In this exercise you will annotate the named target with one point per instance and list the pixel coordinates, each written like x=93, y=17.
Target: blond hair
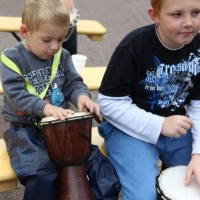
x=36, y=12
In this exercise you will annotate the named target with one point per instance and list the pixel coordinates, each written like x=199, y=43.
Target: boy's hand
x=193, y=169
x=57, y=112
x=85, y=102
x=70, y=5
x=176, y=125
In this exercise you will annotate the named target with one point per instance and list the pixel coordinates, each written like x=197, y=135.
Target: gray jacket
x=66, y=86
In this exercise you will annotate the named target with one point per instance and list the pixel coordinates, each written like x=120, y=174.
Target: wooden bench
x=92, y=77
x=93, y=29
x=8, y=178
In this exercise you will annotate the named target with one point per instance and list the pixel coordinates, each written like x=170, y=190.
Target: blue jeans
x=30, y=160
x=135, y=161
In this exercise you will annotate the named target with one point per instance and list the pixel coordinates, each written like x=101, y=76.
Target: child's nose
x=55, y=45
x=187, y=21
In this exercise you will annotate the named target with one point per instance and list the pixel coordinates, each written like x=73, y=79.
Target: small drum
x=74, y=17
x=171, y=185
x=69, y=146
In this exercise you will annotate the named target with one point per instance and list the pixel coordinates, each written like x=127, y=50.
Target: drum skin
x=171, y=185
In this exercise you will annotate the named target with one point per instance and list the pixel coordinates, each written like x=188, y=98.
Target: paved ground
x=119, y=17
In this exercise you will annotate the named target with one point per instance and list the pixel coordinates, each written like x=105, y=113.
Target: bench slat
x=8, y=178
x=93, y=29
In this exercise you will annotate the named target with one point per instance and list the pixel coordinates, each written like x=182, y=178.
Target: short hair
x=157, y=5
x=36, y=12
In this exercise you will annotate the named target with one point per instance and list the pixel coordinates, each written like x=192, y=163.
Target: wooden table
x=92, y=77
x=93, y=29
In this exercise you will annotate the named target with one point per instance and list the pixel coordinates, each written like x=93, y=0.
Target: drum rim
x=77, y=115
x=160, y=191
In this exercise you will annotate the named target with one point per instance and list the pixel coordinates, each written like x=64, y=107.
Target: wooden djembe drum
x=69, y=146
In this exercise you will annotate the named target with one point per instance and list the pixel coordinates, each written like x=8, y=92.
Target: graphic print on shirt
x=57, y=96
x=169, y=84
x=40, y=79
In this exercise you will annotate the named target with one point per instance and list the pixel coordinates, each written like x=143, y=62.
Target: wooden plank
x=92, y=77
x=93, y=29
x=8, y=178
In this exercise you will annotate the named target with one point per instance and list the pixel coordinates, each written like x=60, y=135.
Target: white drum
x=171, y=185
x=74, y=17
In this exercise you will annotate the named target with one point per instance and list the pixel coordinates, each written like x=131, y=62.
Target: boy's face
x=46, y=41
x=178, y=22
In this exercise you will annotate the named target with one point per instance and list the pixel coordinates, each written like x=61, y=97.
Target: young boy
x=37, y=83
x=151, y=77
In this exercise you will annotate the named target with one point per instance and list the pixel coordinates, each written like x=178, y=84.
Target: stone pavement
x=119, y=17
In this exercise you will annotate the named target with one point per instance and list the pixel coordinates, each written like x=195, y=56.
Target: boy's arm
x=16, y=93
x=74, y=85
x=132, y=120
x=193, y=111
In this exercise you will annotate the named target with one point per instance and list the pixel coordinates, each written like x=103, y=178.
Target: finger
x=186, y=126
x=89, y=106
x=182, y=131
x=175, y=135
x=69, y=111
x=188, y=176
x=188, y=121
x=80, y=107
x=61, y=116
x=91, y=109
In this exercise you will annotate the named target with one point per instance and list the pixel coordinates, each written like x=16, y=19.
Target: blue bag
x=103, y=179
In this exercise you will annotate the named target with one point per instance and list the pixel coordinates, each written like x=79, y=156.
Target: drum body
x=74, y=17
x=171, y=185
x=69, y=146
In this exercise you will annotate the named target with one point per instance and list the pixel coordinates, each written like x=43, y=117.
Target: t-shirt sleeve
x=118, y=78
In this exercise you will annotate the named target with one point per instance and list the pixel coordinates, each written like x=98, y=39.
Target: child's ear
x=24, y=31
x=153, y=15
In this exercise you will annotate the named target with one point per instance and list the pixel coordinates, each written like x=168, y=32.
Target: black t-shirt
x=158, y=80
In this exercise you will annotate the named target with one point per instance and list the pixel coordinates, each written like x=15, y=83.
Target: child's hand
x=85, y=102
x=193, y=169
x=176, y=125
x=70, y=5
x=57, y=112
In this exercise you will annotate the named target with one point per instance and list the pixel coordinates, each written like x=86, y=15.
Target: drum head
x=78, y=115
x=171, y=185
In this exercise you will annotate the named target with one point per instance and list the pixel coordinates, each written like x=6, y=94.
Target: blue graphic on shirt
x=40, y=78
x=169, y=84
x=57, y=96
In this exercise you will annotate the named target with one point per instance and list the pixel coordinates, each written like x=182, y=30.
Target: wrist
x=196, y=155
